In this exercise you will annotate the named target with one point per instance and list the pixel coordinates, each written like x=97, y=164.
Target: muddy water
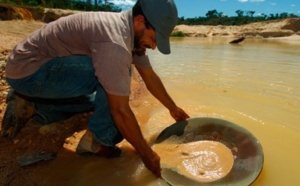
x=255, y=84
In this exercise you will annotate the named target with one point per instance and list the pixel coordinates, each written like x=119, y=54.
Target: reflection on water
x=255, y=84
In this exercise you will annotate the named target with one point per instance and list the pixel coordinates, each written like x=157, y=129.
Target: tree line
x=212, y=17
x=86, y=5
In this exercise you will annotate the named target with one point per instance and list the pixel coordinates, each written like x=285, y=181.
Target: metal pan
x=246, y=149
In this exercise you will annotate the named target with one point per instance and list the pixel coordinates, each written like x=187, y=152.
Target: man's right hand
x=129, y=127
x=152, y=162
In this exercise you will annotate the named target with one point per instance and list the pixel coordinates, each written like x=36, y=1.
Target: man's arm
x=128, y=126
x=157, y=89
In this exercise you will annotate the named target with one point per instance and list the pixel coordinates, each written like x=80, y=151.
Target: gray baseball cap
x=162, y=15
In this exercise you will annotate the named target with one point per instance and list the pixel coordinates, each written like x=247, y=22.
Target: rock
x=237, y=40
x=33, y=158
x=46, y=129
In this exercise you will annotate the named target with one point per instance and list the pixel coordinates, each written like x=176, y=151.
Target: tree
x=239, y=13
x=264, y=16
x=221, y=14
x=292, y=15
x=212, y=13
x=283, y=15
x=250, y=13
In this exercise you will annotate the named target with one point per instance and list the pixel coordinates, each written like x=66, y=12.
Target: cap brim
x=163, y=43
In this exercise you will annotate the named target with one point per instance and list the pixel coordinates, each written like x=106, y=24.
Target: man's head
x=159, y=17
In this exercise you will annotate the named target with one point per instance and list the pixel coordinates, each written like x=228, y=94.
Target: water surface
x=255, y=84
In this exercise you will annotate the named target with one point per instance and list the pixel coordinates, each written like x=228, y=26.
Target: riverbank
x=268, y=29
x=33, y=139
x=53, y=138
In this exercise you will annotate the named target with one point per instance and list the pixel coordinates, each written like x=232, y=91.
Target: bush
x=178, y=34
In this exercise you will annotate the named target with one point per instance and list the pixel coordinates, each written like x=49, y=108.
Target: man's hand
x=128, y=126
x=152, y=162
x=179, y=115
x=157, y=89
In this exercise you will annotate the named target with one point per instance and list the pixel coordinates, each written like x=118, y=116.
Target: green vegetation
x=177, y=34
x=88, y=5
x=213, y=17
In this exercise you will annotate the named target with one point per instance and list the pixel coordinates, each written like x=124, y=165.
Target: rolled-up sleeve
x=141, y=61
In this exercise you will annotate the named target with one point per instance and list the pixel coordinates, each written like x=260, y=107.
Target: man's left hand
x=179, y=114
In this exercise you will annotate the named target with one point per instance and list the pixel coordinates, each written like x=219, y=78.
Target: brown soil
x=267, y=29
x=34, y=138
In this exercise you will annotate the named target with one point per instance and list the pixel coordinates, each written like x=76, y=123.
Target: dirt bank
x=267, y=29
x=34, y=139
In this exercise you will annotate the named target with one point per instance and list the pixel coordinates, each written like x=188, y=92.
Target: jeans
x=65, y=86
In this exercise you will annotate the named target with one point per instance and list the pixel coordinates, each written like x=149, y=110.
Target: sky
x=199, y=8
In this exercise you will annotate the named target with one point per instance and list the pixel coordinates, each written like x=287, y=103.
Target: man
x=82, y=62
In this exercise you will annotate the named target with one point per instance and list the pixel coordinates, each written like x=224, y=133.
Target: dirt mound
x=266, y=29
x=8, y=12
x=53, y=14
x=23, y=13
x=292, y=24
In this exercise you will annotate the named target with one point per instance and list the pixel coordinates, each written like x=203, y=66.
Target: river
x=254, y=84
